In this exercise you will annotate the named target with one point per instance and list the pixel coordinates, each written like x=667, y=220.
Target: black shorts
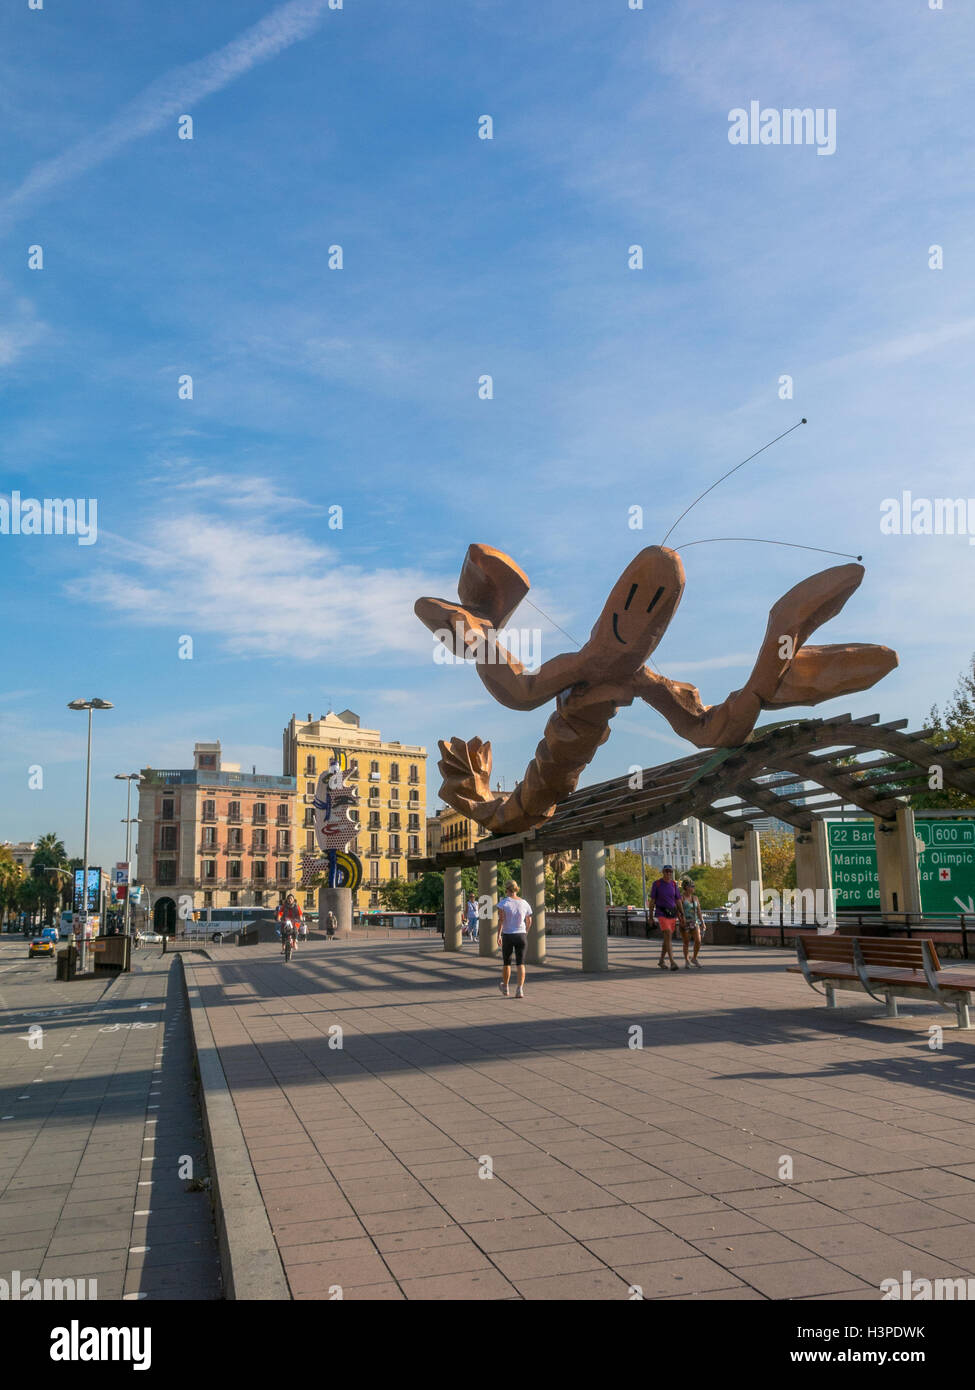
x=513, y=941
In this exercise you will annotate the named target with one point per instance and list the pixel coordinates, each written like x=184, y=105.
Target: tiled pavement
x=93, y=1125
x=662, y=1166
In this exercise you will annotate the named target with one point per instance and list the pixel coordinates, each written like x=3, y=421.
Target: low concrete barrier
x=249, y=1258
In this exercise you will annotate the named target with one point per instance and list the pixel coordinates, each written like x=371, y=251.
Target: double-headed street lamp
x=128, y=778
x=89, y=705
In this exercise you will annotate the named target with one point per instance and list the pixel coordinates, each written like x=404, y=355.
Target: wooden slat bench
x=886, y=968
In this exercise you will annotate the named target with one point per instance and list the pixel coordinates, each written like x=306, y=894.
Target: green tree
x=624, y=878
x=49, y=866
x=778, y=849
x=955, y=723
x=712, y=882
x=11, y=877
x=396, y=895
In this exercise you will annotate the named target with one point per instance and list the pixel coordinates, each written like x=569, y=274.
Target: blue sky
x=358, y=387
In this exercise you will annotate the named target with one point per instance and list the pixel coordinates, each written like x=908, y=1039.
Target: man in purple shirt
x=665, y=896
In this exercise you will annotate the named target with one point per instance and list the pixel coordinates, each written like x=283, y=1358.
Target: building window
x=309, y=900
x=208, y=899
x=310, y=765
x=233, y=898
x=258, y=899
x=394, y=820
x=394, y=772
x=235, y=839
x=394, y=869
x=260, y=871
x=309, y=789
x=233, y=810
x=284, y=869
x=209, y=811
x=374, y=823
x=260, y=811
x=374, y=872
x=233, y=869
x=284, y=839
x=209, y=868
x=166, y=871
x=414, y=845
x=283, y=813
x=167, y=808
x=414, y=822
x=353, y=771
x=414, y=773
x=309, y=815
x=260, y=839
x=167, y=837
x=394, y=844
x=373, y=844
x=210, y=837
x=310, y=840
x=373, y=772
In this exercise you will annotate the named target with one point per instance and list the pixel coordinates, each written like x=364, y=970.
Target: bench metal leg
x=891, y=1010
x=830, y=997
x=964, y=1020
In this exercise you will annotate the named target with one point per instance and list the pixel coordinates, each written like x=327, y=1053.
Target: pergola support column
x=487, y=902
x=592, y=899
x=453, y=909
x=746, y=868
x=533, y=891
x=814, y=873
x=897, y=867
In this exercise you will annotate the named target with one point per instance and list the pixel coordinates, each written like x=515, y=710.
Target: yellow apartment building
x=390, y=778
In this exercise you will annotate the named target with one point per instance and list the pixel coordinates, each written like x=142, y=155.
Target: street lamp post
x=128, y=778
x=89, y=705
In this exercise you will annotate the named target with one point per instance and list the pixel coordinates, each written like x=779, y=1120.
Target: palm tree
x=11, y=876
x=50, y=867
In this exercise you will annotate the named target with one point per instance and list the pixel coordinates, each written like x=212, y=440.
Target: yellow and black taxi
x=44, y=944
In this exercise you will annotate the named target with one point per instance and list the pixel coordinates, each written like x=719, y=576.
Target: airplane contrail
x=169, y=96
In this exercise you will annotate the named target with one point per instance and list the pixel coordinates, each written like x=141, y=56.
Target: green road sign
x=946, y=865
x=853, y=860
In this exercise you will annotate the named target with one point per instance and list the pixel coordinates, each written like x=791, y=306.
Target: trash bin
x=63, y=964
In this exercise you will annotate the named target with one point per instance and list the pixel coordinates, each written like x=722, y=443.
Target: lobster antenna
x=758, y=540
x=733, y=470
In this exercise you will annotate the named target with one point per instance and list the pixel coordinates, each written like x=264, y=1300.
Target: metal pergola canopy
x=845, y=765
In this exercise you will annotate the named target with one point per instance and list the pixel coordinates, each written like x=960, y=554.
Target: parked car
x=44, y=944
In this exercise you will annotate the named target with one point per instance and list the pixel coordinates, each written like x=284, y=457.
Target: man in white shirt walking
x=514, y=922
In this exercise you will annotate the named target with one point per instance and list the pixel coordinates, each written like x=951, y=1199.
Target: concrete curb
x=249, y=1258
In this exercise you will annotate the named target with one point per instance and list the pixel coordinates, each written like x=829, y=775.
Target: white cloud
x=262, y=592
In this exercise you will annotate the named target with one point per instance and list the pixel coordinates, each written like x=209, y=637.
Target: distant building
x=214, y=836
x=390, y=778
x=451, y=830
x=793, y=790
x=22, y=853
x=682, y=845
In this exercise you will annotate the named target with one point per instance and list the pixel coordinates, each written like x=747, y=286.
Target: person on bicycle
x=289, y=915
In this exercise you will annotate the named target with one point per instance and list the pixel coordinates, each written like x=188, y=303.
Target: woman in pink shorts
x=666, y=899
